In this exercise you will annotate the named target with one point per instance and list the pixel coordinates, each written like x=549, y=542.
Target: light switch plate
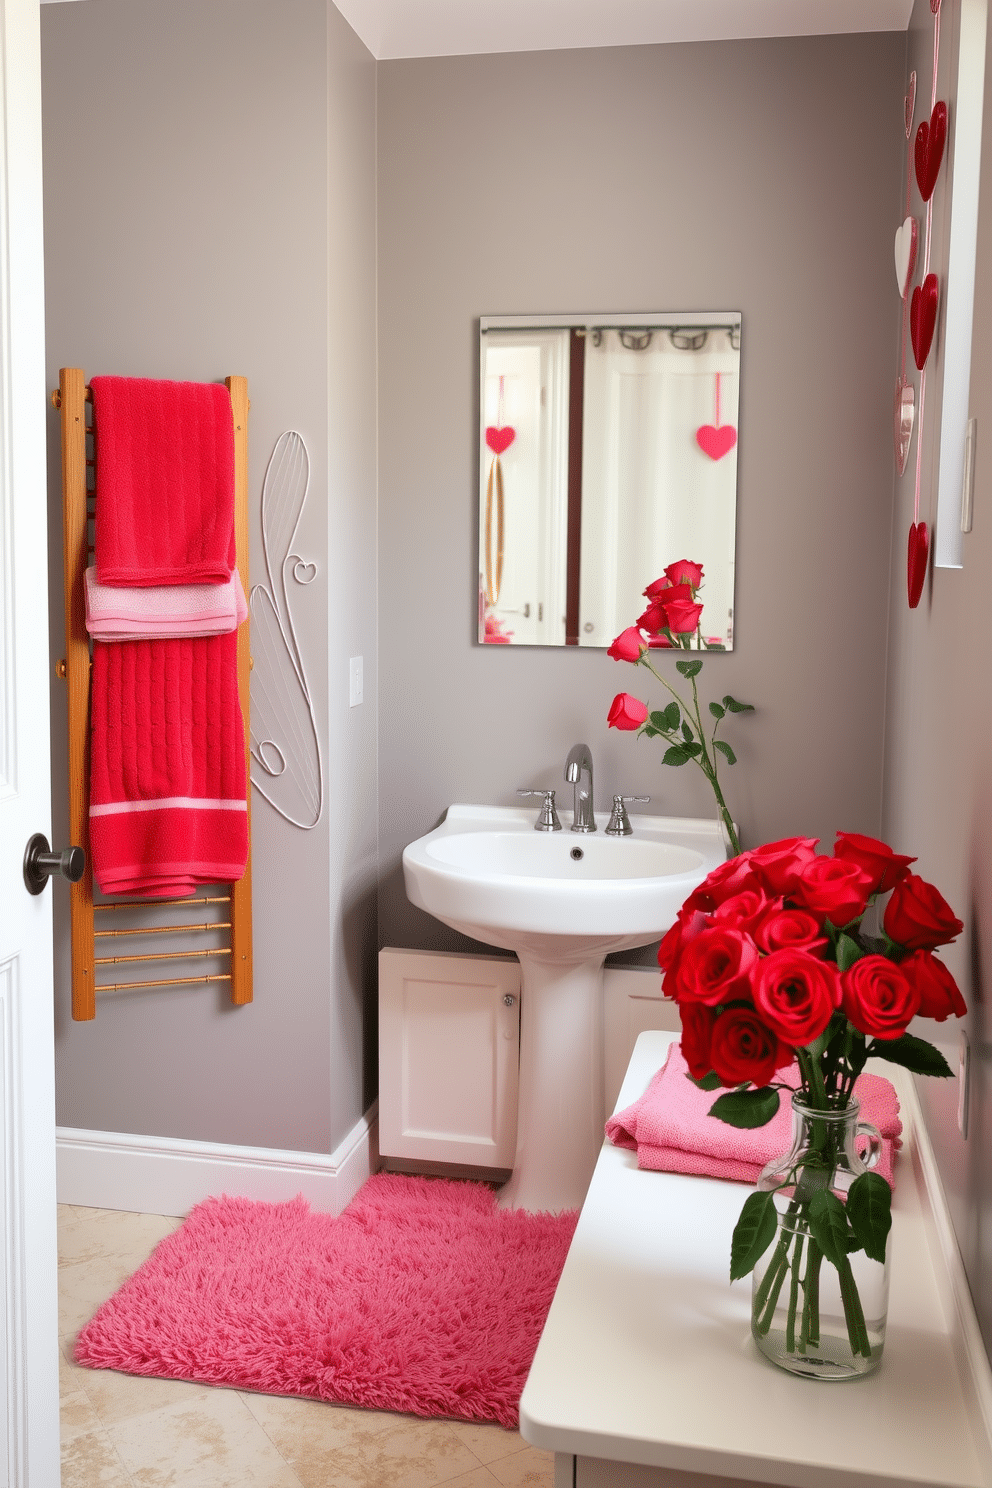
x=356, y=681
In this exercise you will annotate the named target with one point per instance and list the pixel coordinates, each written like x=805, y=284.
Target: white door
x=29, y=1455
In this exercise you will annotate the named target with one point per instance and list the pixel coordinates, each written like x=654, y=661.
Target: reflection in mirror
x=608, y=450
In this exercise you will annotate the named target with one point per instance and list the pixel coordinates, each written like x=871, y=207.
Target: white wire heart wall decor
x=286, y=764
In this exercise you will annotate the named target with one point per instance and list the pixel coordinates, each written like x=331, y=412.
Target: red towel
x=168, y=807
x=671, y=1131
x=164, y=481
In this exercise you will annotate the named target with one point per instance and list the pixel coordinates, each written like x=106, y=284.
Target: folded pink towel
x=164, y=612
x=671, y=1130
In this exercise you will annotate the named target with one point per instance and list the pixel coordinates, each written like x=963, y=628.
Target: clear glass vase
x=808, y=1315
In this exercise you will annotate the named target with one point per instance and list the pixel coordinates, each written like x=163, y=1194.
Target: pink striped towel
x=164, y=612
x=671, y=1130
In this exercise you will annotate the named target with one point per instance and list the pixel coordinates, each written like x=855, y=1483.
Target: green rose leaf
x=828, y=1222
x=913, y=1054
x=736, y=707
x=869, y=1209
x=676, y=756
x=848, y=951
x=746, y=1108
x=672, y=716
x=717, y=711
x=725, y=749
x=753, y=1233
x=649, y=732
x=711, y=1081
x=689, y=668
x=687, y=733
x=693, y=749
x=659, y=722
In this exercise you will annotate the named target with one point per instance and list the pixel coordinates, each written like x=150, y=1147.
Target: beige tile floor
x=121, y=1431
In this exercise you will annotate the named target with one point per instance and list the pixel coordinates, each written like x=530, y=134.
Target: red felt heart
x=499, y=440
x=923, y=318
x=930, y=140
x=916, y=561
x=716, y=442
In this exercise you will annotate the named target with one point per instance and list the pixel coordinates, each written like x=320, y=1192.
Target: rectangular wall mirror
x=607, y=450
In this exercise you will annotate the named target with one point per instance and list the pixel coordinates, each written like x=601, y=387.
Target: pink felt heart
x=716, y=442
x=909, y=104
x=905, y=415
x=907, y=239
x=923, y=318
x=916, y=561
x=499, y=440
x=930, y=140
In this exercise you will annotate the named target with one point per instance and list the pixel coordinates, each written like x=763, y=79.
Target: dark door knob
x=40, y=862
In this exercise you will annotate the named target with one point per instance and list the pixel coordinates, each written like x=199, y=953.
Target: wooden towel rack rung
x=71, y=398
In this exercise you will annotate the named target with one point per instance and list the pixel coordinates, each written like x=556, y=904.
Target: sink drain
x=576, y=854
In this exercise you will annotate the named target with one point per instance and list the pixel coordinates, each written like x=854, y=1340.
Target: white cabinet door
x=449, y=1039
x=632, y=1004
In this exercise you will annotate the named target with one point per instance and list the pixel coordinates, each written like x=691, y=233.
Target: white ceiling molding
x=446, y=28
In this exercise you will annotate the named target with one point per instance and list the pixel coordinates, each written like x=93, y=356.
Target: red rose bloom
x=878, y=998
x=715, y=966
x=626, y=712
x=743, y=1049
x=656, y=587
x=789, y=930
x=884, y=867
x=661, y=643
x=732, y=877
x=796, y=994
x=918, y=916
x=745, y=910
x=940, y=995
x=629, y=645
x=697, y=1031
x=687, y=926
x=778, y=864
x=654, y=618
x=833, y=888
x=682, y=618
x=684, y=572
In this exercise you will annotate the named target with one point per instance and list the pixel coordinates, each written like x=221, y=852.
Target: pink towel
x=168, y=805
x=164, y=481
x=165, y=612
x=671, y=1131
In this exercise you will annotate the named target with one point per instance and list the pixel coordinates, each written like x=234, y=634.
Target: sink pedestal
x=560, y=1113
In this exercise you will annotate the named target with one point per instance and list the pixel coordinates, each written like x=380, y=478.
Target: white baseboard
x=166, y=1175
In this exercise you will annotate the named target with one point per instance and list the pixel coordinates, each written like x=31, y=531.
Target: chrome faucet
x=578, y=772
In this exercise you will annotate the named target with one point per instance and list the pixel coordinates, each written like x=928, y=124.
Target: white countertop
x=647, y=1355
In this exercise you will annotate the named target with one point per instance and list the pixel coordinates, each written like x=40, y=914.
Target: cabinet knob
x=509, y=1000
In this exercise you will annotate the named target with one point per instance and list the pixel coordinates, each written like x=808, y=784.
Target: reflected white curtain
x=650, y=494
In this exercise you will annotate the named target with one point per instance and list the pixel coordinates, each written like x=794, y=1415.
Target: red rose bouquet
x=789, y=975
x=672, y=621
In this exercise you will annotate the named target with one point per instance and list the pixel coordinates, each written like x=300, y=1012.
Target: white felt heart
x=907, y=238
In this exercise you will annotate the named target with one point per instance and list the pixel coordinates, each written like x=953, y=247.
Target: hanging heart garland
x=930, y=141
x=499, y=440
x=907, y=242
x=716, y=439
x=923, y=318
x=917, y=554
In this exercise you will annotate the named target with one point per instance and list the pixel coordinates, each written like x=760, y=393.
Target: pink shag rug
x=422, y=1297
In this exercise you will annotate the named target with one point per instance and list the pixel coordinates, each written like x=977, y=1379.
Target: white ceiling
x=444, y=28
x=450, y=28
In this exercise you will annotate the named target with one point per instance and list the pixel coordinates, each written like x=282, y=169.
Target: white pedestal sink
x=561, y=901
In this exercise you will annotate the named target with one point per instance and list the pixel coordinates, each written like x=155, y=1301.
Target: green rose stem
x=703, y=760
x=809, y=1336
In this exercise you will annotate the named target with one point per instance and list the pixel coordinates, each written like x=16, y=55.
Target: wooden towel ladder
x=138, y=918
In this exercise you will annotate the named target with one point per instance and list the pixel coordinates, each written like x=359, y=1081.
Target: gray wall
x=210, y=208
x=756, y=176
x=938, y=756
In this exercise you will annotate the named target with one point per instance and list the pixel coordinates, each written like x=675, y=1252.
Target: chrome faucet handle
x=619, y=824
x=548, y=819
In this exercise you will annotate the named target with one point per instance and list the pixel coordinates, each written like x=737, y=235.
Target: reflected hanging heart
x=916, y=561
x=909, y=103
x=930, y=140
x=716, y=442
x=907, y=238
x=923, y=318
x=905, y=414
x=499, y=440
